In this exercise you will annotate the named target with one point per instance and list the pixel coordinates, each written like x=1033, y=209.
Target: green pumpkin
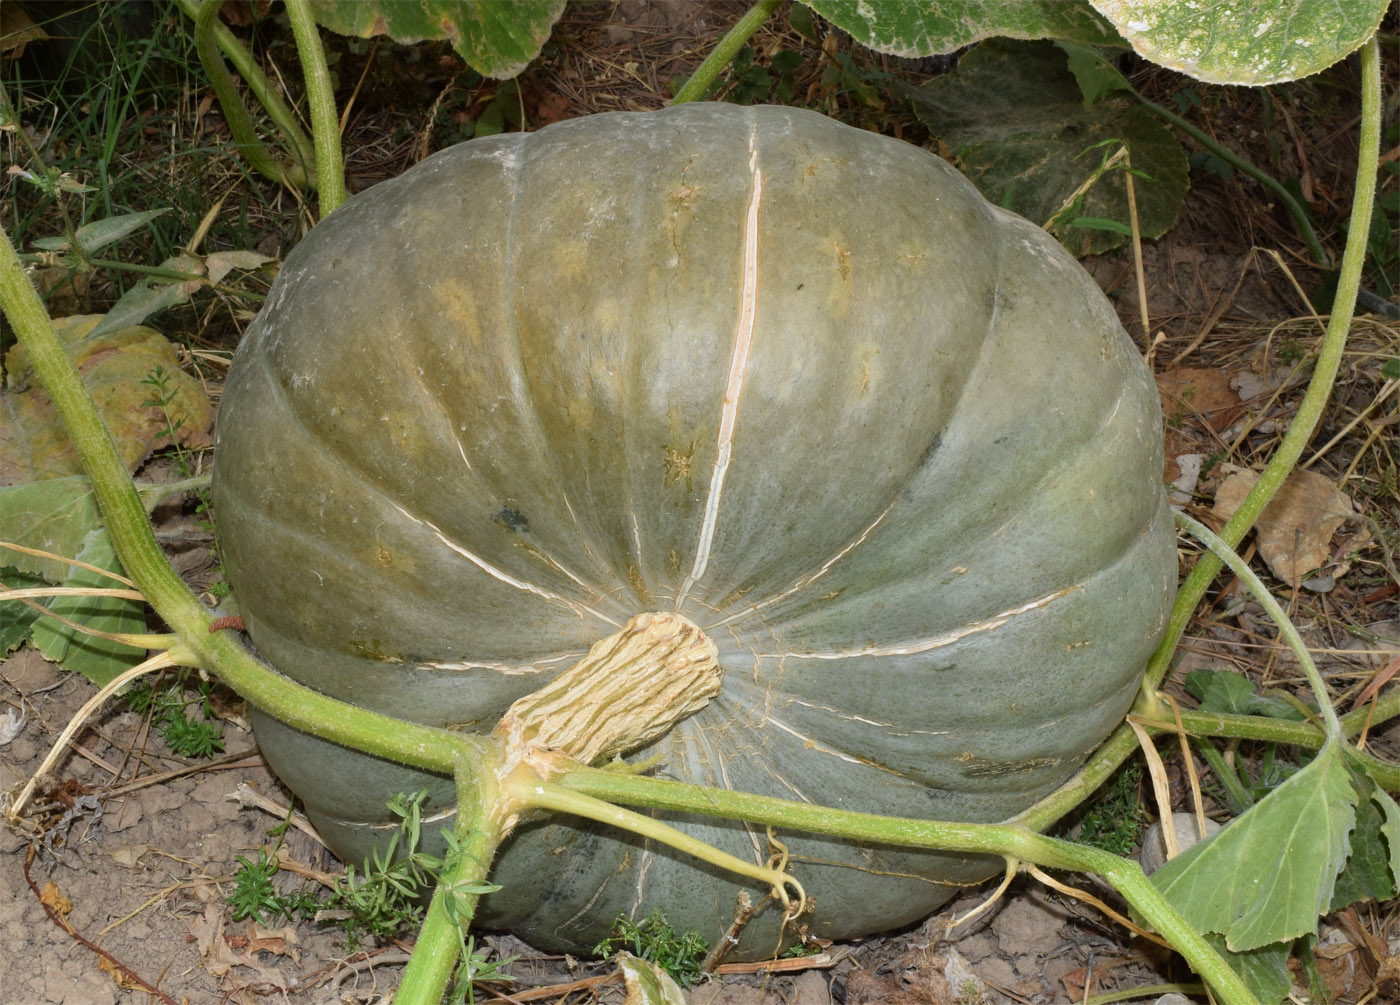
x=886, y=443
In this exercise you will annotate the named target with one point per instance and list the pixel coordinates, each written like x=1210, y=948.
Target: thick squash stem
x=325, y=129
x=1319, y=390
x=630, y=689
x=459, y=889
x=297, y=174
x=723, y=54
x=1006, y=841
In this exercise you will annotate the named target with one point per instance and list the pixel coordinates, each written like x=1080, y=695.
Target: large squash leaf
x=52, y=515
x=97, y=659
x=496, y=39
x=939, y=26
x=1243, y=41
x=1014, y=114
x=16, y=617
x=1272, y=871
x=116, y=368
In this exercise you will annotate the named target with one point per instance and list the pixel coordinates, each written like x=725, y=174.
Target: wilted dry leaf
x=1295, y=530
x=221, y=263
x=52, y=898
x=1205, y=392
x=17, y=30
x=33, y=443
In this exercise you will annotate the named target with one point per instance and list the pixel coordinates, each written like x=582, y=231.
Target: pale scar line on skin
x=937, y=641
x=821, y=748
x=734, y=385
x=509, y=669
x=807, y=580
x=644, y=867
x=504, y=577
x=426, y=395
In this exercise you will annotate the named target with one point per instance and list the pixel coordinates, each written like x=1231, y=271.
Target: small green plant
x=187, y=737
x=1115, y=818
x=1291, y=351
x=654, y=940
x=374, y=901
x=164, y=396
x=254, y=896
x=751, y=83
x=475, y=968
x=388, y=891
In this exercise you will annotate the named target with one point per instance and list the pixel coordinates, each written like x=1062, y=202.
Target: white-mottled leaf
x=1014, y=114
x=497, y=39
x=1243, y=41
x=939, y=26
x=1269, y=874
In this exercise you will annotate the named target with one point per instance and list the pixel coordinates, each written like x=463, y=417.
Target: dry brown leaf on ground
x=1295, y=530
x=135, y=379
x=55, y=900
x=1206, y=392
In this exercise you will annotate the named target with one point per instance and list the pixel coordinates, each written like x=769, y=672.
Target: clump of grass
x=385, y=895
x=169, y=712
x=1114, y=819
x=654, y=940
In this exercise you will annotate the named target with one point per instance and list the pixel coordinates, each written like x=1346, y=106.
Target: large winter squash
x=884, y=442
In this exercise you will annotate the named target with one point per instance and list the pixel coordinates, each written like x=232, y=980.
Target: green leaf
x=648, y=984
x=1243, y=41
x=1271, y=872
x=94, y=236
x=1096, y=76
x=1390, y=370
x=1097, y=223
x=939, y=26
x=1263, y=970
x=97, y=659
x=1227, y=691
x=496, y=39
x=51, y=515
x=1370, y=872
x=141, y=301
x=1015, y=115
x=16, y=617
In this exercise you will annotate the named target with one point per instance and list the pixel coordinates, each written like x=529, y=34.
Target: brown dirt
x=133, y=849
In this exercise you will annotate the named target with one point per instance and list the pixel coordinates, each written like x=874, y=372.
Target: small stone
x=1154, y=848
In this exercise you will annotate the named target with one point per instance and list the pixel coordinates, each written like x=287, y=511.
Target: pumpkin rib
x=1021, y=505
x=520, y=376
x=412, y=369
x=914, y=647
x=810, y=578
x=734, y=384
x=374, y=485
